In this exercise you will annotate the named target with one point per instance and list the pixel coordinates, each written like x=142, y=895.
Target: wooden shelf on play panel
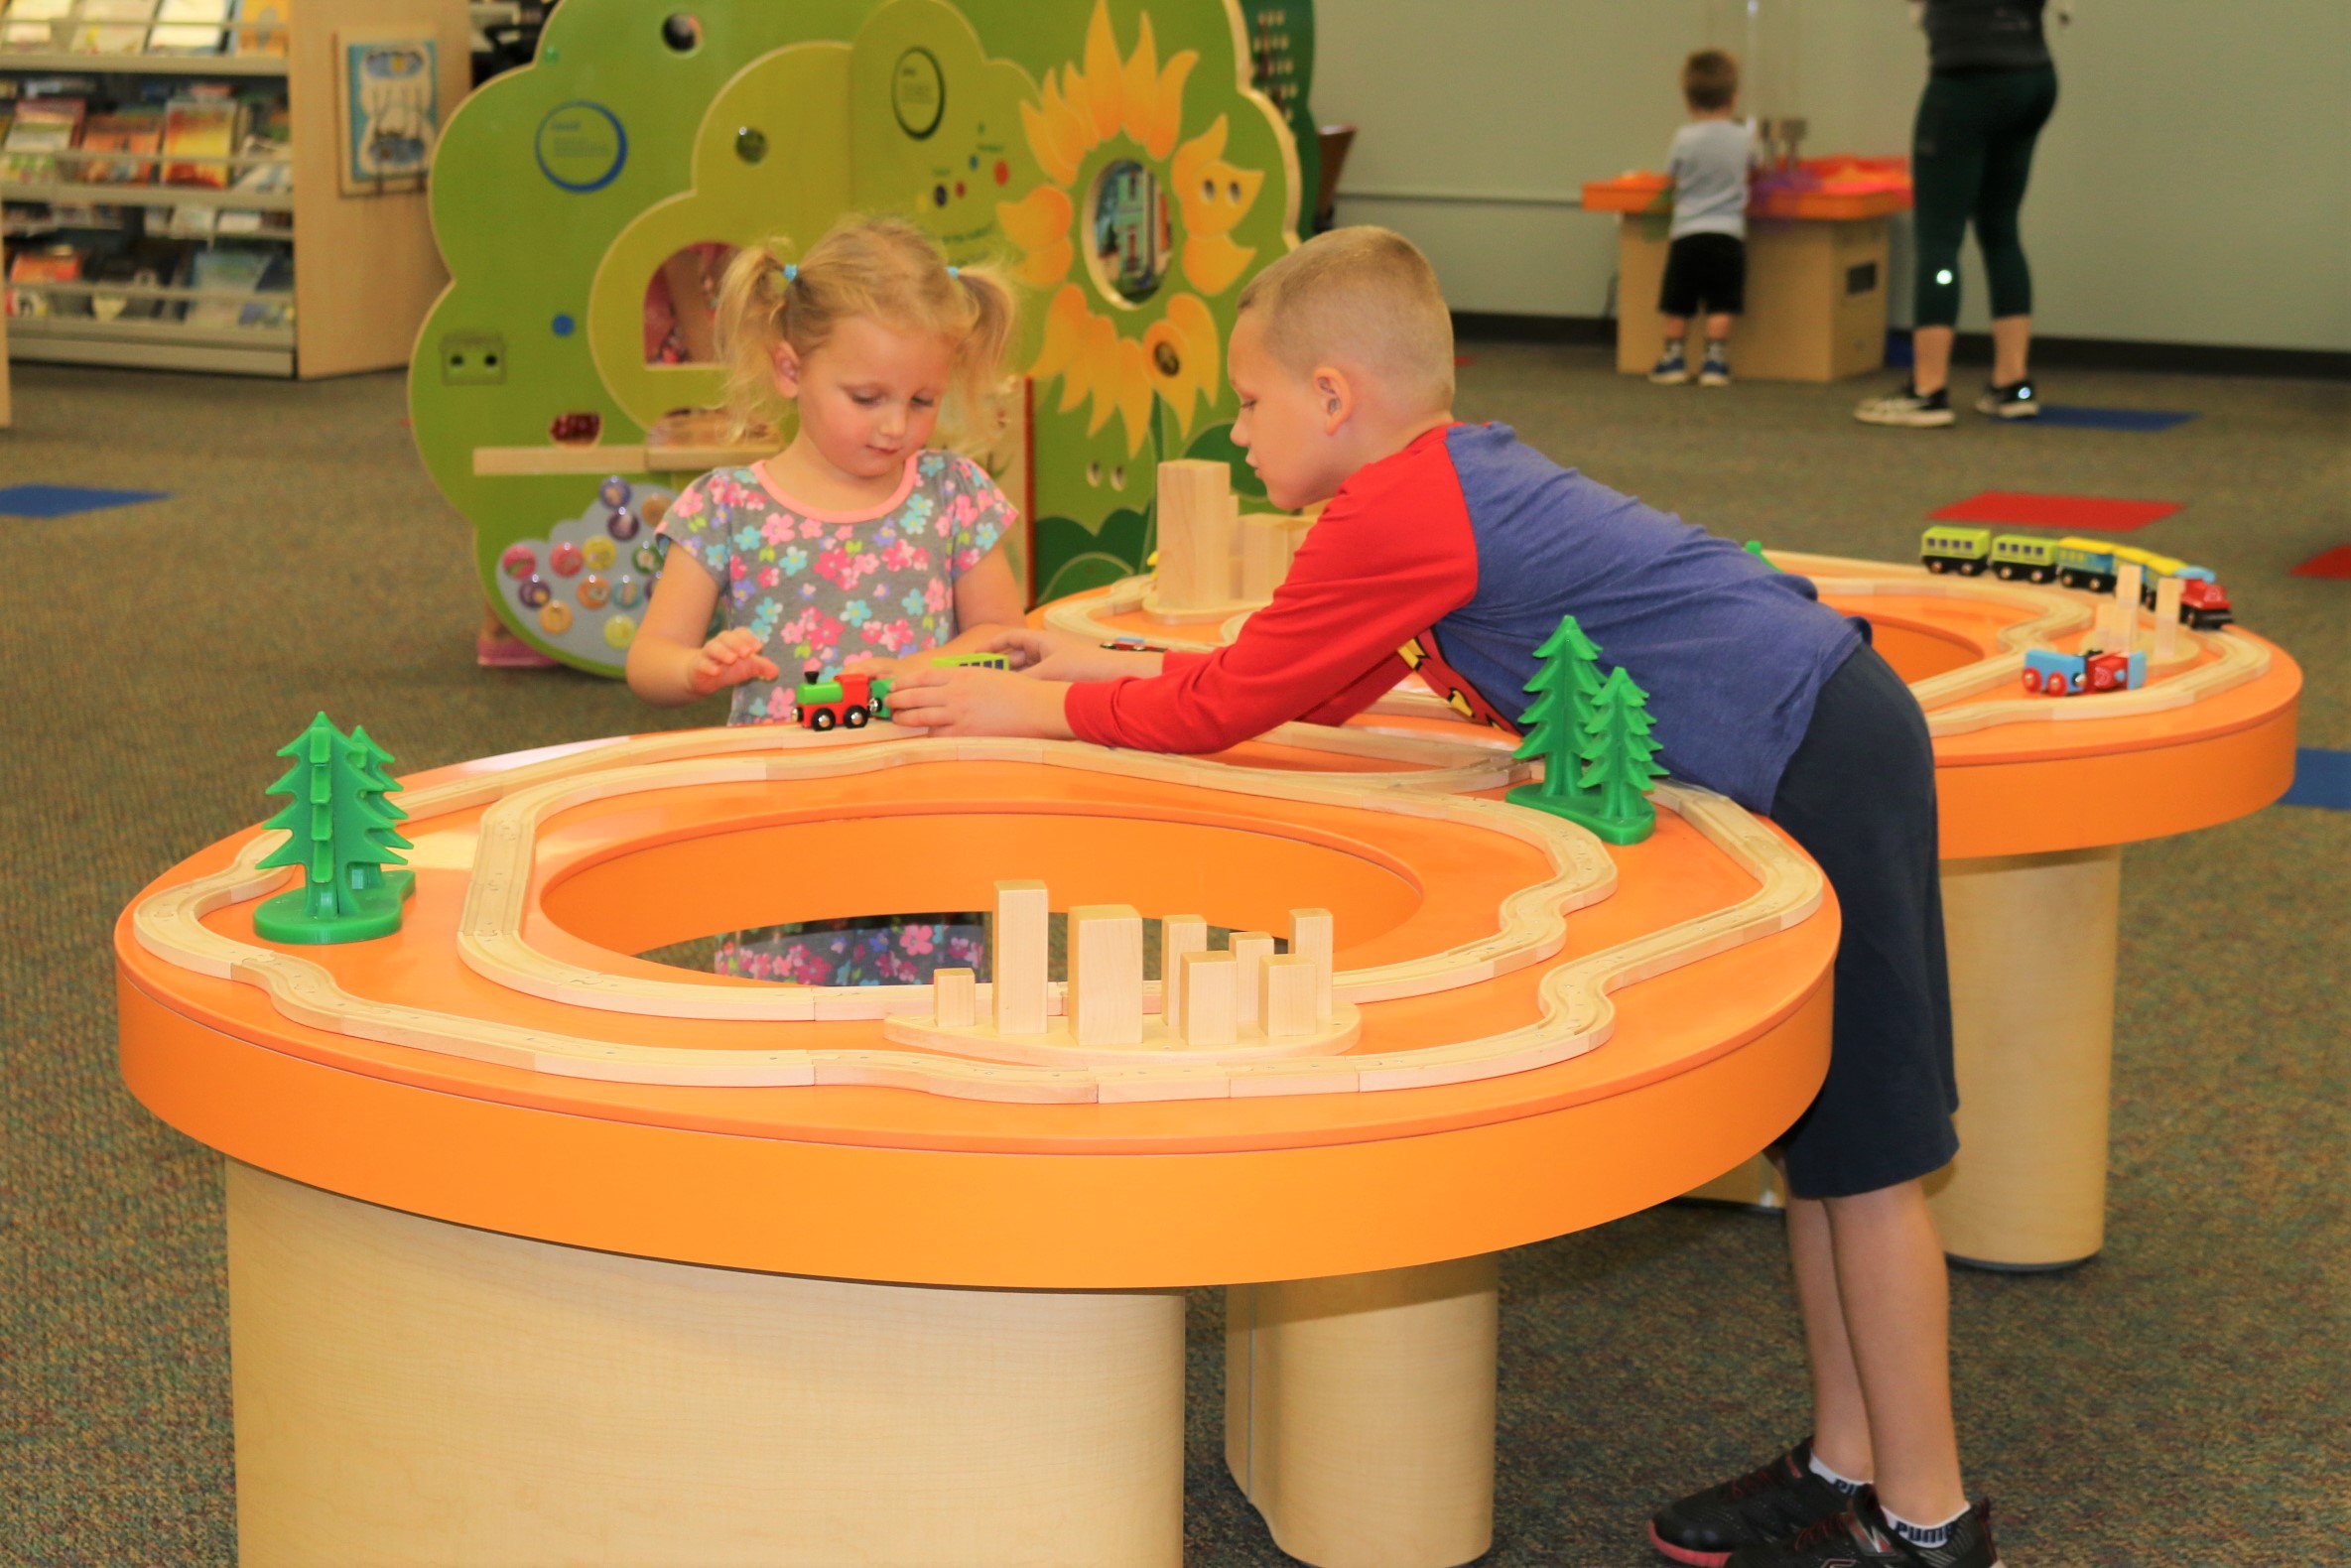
x=365, y=266
x=1816, y=282
x=677, y=444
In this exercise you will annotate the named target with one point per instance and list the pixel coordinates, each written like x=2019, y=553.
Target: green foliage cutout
x=344, y=830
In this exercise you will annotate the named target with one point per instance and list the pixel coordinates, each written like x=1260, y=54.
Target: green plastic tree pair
x=1593, y=737
x=344, y=830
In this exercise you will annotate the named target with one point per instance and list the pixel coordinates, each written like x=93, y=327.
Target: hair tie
x=954, y=271
x=791, y=271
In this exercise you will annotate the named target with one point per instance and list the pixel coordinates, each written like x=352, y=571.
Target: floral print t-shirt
x=822, y=587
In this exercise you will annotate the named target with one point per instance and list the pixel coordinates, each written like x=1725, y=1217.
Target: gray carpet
x=2181, y=1400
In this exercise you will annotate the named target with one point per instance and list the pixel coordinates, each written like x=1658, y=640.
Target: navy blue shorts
x=1859, y=796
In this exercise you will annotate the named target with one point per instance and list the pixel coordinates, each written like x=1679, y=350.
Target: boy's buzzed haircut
x=1709, y=79
x=1367, y=295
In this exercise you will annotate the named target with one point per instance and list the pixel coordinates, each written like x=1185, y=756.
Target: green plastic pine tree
x=1618, y=768
x=1564, y=687
x=343, y=831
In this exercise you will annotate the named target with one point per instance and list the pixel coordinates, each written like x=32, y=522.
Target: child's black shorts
x=1859, y=796
x=1708, y=270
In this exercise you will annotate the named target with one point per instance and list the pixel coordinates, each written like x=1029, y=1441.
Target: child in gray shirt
x=1706, y=254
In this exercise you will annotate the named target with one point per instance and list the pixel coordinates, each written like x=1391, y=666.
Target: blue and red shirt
x=1455, y=558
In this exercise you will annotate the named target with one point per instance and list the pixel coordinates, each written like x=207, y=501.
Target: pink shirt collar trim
x=817, y=515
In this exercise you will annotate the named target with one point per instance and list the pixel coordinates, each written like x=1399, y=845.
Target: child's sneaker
x=1768, y=1504
x=2009, y=402
x=1671, y=368
x=1716, y=371
x=1909, y=407
x=1861, y=1537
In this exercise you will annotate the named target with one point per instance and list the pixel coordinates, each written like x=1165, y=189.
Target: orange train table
x=2038, y=797
x=542, y=1252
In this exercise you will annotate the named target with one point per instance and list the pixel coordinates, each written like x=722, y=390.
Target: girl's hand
x=728, y=659
x=969, y=701
x=1066, y=656
x=873, y=664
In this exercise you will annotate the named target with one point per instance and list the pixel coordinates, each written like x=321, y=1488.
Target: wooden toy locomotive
x=853, y=701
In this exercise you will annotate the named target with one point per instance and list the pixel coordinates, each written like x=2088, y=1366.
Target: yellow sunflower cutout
x=1116, y=122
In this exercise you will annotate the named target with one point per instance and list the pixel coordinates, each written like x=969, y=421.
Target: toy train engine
x=2053, y=674
x=849, y=701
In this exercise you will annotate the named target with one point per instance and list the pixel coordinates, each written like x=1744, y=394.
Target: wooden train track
x=1575, y=1013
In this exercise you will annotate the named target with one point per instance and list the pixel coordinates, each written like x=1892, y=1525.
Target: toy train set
x=2054, y=673
x=852, y=701
x=2074, y=563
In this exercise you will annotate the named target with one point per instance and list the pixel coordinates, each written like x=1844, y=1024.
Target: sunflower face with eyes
x=1131, y=233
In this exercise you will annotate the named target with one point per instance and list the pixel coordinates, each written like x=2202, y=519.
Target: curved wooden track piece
x=1576, y=1014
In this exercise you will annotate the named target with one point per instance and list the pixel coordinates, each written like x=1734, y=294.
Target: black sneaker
x=2017, y=401
x=1909, y=407
x=1860, y=1538
x=1762, y=1506
x=1671, y=368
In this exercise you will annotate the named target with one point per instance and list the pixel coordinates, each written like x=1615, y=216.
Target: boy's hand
x=969, y=701
x=1066, y=656
x=728, y=659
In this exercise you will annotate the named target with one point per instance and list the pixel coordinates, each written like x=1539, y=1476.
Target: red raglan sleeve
x=1376, y=571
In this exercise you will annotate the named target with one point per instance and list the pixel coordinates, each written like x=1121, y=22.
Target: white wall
x=2193, y=186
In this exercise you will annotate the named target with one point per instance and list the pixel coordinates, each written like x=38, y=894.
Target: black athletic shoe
x=1860, y=1538
x=2009, y=402
x=1909, y=406
x=1762, y=1506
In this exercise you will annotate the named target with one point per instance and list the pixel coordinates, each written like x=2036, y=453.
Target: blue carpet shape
x=64, y=500
x=2321, y=778
x=2144, y=419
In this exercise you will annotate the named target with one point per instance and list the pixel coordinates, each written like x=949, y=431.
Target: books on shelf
x=50, y=264
x=113, y=27
x=34, y=25
x=41, y=129
x=262, y=279
x=199, y=128
x=188, y=27
x=263, y=27
x=126, y=131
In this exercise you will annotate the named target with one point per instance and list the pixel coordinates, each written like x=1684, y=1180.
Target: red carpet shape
x=2077, y=513
x=2335, y=563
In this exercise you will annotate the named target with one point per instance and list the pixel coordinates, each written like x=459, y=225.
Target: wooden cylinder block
x=1251, y=950
x=1211, y=1008
x=1104, y=1003
x=408, y=1391
x=1017, y=942
x=2033, y=966
x=1359, y=1413
x=1197, y=521
x=955, y=998
x=1178, y=935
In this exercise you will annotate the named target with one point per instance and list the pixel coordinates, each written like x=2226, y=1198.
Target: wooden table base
x=2032, y=970
x=410, y=1391
x=1359, y=1413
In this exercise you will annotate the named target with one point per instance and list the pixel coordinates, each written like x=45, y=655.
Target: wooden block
x=1178, y=935
x=2167, y=594
x=1105, y=1004
x=1210, y=982
x=2125, y=609
x=1313, y=935
x=1265, y=555
x=1017, y=949
x=1289, y=996
x=1251, y=950
x=1196, y=516
x=955, y=997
